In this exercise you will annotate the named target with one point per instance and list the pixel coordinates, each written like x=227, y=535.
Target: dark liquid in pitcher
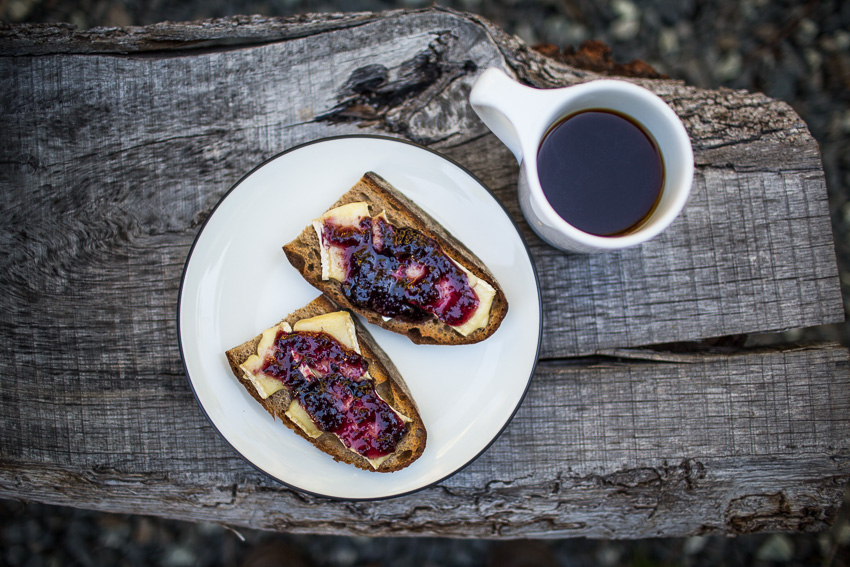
x=600, y=172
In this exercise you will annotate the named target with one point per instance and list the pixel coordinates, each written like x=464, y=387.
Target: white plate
x=238, y=282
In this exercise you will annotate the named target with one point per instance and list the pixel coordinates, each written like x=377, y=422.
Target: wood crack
x=387, y=97
x=170, y=39
x=702, y=146
x=677, y=353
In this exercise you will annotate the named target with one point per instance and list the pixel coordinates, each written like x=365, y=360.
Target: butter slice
x=333, y=260
x=251, y=368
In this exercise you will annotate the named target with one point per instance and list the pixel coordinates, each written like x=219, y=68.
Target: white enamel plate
x=237, y=282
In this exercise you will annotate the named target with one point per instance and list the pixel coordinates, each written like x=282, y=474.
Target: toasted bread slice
x=388, y=383
x=304, y=253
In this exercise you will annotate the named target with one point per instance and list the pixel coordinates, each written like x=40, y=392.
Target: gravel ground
x=795, y=51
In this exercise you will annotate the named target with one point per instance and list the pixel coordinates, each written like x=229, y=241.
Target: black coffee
x=601, y=172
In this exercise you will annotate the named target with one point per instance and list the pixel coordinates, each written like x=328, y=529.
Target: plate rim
x=519, y=400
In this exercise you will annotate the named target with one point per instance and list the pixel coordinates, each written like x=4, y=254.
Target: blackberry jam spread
x=326, y=378
x=400, y=272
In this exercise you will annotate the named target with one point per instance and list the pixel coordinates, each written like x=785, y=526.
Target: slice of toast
x=388, y=383
x=304, y=255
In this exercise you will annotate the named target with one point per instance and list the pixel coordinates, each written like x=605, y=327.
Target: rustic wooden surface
x=118, y=143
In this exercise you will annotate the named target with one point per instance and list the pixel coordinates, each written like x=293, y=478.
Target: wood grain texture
x=110, y=162
x=48, y=39
x=752, y=252
x=602, y=449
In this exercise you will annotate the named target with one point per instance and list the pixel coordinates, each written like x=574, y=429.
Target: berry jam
x=400, y=272
x=326, y=379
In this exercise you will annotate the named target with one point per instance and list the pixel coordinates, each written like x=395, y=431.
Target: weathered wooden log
x=707, y=444
x=117, y=144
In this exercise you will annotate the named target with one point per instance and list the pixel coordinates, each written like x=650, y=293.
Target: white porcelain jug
x=522, y=116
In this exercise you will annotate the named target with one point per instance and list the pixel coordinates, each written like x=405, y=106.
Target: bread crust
x=388, y=383
x=303, y=253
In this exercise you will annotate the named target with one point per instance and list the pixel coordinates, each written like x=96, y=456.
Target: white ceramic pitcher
x=521, y=116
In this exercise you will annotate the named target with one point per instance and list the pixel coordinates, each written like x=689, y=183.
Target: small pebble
x=78, y=18
x=807, y=30
x=844, y=121
x=555, y=30
x=668, y=41
x=814, y=59
x=608, y=556
x=627, y=24
x=836, y=43
x=729, y=67
x=626, y=9
x=694, y=545
x=777, y=548
x=343, y=556
x=576, y=34
x=179, y=556
x=527, y=33
x=117, y=16
x=842, y=535
x=18, y=10
x=207, y=529
x=625, y=30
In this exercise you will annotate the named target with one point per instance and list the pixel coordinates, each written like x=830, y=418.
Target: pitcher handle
x=507, y=108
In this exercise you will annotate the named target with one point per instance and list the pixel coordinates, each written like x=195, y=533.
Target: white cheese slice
x=347, y=215
x=337, y=324
x=251, y=368
x=302, y=419
x=485, y=293
x=377, y=462
x=333, y=258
